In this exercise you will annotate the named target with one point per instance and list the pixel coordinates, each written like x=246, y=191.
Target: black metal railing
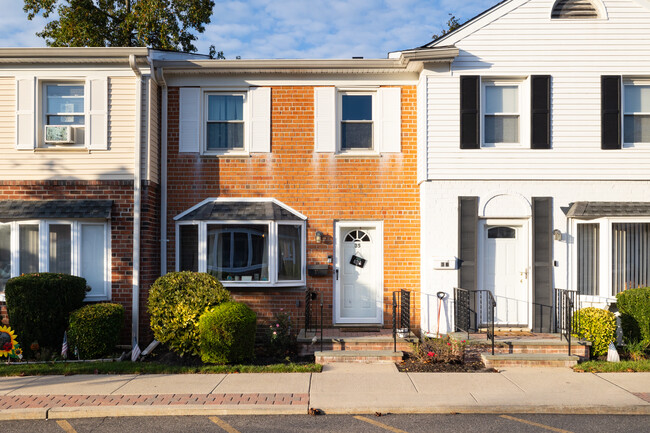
x=474, y=309
x=565, y=303
x=311, y=314
x=401, y=314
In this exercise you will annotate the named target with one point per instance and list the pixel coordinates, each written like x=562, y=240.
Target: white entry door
x=505, y=272
x=358, y=274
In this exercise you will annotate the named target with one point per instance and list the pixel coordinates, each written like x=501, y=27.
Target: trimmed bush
x=95, y=329
x=595, y=325
x=634, y=306
x=39, y=305
x=228, y=333
x=176, y=301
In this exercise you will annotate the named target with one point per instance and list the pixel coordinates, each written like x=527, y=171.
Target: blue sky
x=319, y=29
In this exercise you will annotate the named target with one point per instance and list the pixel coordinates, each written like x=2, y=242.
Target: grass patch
x=612, y=367
x=126, y=367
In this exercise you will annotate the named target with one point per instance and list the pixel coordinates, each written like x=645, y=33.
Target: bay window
x=76, y=247
x=611, y=255
x=248, y=242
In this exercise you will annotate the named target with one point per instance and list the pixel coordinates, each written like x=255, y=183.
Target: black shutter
x=540, y=115
x=542, y=263
x=470, y=112
x=610, y=104
x=467, y=241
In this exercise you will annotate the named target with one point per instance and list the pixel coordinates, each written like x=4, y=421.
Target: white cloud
x=296, y=28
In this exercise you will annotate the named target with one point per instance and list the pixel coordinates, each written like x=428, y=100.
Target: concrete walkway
x=341, y=388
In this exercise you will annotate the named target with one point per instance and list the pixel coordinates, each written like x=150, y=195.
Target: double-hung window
x=356, y=121
x=501, y=113
x=636, y=113
x=77, y=247
x=63, y=113
x=224, y=122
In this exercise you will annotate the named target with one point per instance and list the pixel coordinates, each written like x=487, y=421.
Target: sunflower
x=7, y=341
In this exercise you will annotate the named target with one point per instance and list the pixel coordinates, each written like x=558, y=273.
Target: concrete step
x=358, y=356
x=528, y=360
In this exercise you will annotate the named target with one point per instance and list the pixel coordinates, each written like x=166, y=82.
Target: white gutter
x=137, y=199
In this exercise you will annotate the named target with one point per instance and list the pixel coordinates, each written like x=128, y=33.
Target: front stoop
x=370, y=342
x=529, y=360
x=358, y=356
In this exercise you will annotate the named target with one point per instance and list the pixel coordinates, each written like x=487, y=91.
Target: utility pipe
x=137, y=198
x=163, y=173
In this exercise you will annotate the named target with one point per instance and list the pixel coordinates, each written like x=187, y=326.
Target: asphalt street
x=524, y=423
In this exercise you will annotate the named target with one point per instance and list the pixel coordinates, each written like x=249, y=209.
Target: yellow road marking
x=547, y=427
x=65, y=426
x=379, y=424
x=224, y=425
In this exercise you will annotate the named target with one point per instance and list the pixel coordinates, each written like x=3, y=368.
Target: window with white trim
x=63, y=113
x=244, y=253
x=636, y=112
x=75, y=247
x=501, y=113
x=356, y=122
x=611, y=255
x=224, y=122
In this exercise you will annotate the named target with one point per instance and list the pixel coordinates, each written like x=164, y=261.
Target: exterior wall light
x=319, y=237
x=557, y=235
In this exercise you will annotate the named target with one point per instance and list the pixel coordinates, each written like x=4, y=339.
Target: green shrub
x=95, y=329
x=595, y=325
x=227, y=333
x=280, y=341
x=176, y=301
x=634, y=306
x=38, y=306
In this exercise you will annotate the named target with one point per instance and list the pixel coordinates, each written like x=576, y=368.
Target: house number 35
x=357, y=245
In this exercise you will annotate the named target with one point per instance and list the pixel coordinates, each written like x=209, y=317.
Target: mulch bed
x=472, y=364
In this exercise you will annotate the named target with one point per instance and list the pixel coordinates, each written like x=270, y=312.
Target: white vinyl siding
x=575, y=53
x=114, y=164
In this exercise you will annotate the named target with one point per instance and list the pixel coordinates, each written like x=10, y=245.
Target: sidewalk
x=342, y=388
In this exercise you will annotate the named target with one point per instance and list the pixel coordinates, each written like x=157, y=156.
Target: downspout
x=163, y=173
x=137, y=198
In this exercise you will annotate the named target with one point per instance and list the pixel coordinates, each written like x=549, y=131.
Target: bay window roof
x=39, y=209
x=600, y=209
x=240, y=209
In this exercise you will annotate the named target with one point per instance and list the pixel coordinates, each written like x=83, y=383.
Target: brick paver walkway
x=50, y=401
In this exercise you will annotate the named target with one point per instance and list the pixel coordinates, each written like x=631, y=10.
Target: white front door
x=358, y=279
x=505, y=272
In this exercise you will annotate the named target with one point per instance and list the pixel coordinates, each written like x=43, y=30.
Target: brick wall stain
x=322, y=186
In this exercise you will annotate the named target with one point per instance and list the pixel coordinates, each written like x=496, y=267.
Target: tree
x=159, y=24
x=452, y=24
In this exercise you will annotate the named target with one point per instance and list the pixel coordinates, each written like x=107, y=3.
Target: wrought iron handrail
x=483, y=301
x=312, y=295
x=401, y=307
x=565, y=302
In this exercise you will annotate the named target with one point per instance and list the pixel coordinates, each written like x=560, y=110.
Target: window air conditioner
x=59, y=134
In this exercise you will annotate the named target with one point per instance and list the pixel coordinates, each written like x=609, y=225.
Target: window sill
x=262, y=285
x=358, y=154
x=74, y=149
x=241, y=155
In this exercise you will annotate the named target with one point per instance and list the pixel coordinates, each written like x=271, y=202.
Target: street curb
x=178, y=410
x=557, y=410
x=21, y=414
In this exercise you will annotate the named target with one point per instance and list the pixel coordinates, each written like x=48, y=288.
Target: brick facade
x=121, y=227
x=322, y=186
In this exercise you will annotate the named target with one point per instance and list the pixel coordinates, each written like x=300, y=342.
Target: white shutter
x=189, y=118
x=324, y=119
x=260, y=119
x=96, y=134
x=389, y=125
x=25, y=108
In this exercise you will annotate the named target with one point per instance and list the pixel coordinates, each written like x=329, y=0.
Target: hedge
x=95, y=329
x=228, y=334
x=176, y=301
x=595, y=325
x=39, y=306
x=634, y=306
